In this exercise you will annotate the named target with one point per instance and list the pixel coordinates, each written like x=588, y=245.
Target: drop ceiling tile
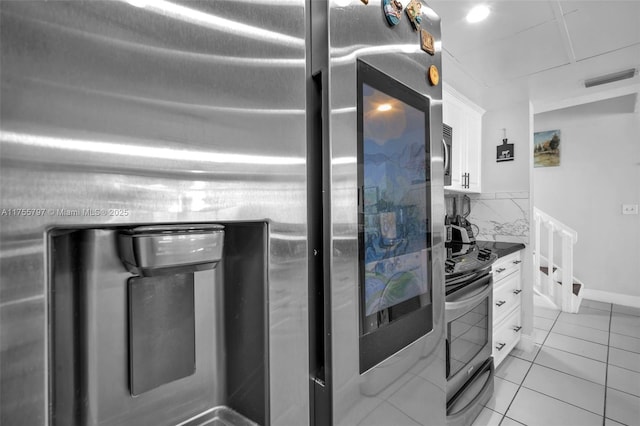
x=528, y=52
x=597, y=27
x=507, y=18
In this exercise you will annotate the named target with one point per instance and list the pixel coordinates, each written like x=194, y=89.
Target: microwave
x=447, y=141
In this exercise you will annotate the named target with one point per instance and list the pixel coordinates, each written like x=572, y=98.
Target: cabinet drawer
x=506, y=297
x=506, y=335
x=506, y=266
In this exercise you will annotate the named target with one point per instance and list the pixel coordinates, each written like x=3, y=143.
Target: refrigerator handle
x=319, y=213
x=446, y=157
x=448, y=364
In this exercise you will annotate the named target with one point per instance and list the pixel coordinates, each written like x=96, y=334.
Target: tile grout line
x=548, y=332
x=606, y=372
x=569, y=374
x=611, y=313
x=551, y=396
x=527, y=373
x=565, y=402
x=624, y=368
x=573, y=353
x=591, y=341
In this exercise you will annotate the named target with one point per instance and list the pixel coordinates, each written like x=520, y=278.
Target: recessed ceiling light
x=478, y=13
x=384, y=107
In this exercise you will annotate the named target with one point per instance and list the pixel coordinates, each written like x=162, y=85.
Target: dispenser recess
x=154, y=324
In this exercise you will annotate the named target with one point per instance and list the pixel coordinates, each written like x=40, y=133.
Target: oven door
x=468, y=313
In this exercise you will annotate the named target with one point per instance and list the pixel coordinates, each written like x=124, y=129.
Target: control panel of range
x=475, y=259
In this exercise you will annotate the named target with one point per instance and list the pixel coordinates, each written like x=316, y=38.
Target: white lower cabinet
x=507, y=315
x=506, y=336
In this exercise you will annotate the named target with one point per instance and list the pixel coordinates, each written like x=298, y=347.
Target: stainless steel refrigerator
x=168, y=122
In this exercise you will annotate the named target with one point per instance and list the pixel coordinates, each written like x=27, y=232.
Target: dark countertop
x=501, y=248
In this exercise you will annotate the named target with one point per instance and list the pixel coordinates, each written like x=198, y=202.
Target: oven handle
x=483, y=283
x=485, y=392
x=470, y=276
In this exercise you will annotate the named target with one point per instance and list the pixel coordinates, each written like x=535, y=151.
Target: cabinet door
x=453, y=114
x=465, y=118
x=506, y=336
x=474, y=150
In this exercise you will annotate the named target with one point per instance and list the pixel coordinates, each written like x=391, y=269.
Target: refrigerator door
x=407, y=386
x=130, y=112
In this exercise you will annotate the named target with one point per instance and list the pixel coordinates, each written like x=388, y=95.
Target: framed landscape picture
x=546, y=148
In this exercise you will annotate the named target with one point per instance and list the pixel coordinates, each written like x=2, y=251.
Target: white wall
x=503, y=210
x=507, y=176
x=599, y=171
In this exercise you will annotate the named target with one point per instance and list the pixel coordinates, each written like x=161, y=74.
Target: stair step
x=545, y=269
x=576, y=287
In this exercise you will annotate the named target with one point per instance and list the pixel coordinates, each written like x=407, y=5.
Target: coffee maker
x=458, y=228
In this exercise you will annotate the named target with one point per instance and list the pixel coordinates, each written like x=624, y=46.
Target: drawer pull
x=517, y=262
x=500, y=346
x=518, y=291
x=517, y=328
x=500, y=302
x=500, y=270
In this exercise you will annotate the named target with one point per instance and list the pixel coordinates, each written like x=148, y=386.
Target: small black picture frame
x=505, y=152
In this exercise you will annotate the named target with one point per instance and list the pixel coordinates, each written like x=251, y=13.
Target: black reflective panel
x=394, y=215
x=468, y=334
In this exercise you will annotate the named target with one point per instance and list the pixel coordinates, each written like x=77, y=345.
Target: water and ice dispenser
x=157, y=324
x=164, y=250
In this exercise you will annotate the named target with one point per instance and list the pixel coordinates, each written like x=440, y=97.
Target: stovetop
x=467, y=258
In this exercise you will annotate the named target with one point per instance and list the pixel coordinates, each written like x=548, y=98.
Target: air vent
x=446, y=130
x=610, y=78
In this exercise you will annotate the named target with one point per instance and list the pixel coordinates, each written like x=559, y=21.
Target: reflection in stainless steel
x=193, y=115
x=129, y=150
x=176, y=105
x=347, y=55
x=219, y=416
x=193, y=56
x=215, y=22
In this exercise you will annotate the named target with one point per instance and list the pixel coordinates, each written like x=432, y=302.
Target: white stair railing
x=562, y=295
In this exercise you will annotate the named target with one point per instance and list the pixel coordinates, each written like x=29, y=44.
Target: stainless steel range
x=468, y=312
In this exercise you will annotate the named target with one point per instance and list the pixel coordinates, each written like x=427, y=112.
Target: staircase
x=550, y=277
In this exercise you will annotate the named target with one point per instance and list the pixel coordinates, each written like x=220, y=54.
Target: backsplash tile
x=501, y=216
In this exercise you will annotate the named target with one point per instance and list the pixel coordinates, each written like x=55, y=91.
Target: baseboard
x=609, y=297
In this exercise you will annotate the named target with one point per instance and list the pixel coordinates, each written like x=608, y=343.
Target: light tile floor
x=585, y=370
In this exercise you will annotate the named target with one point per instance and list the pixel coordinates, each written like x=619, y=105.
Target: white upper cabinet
x=465, y=118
